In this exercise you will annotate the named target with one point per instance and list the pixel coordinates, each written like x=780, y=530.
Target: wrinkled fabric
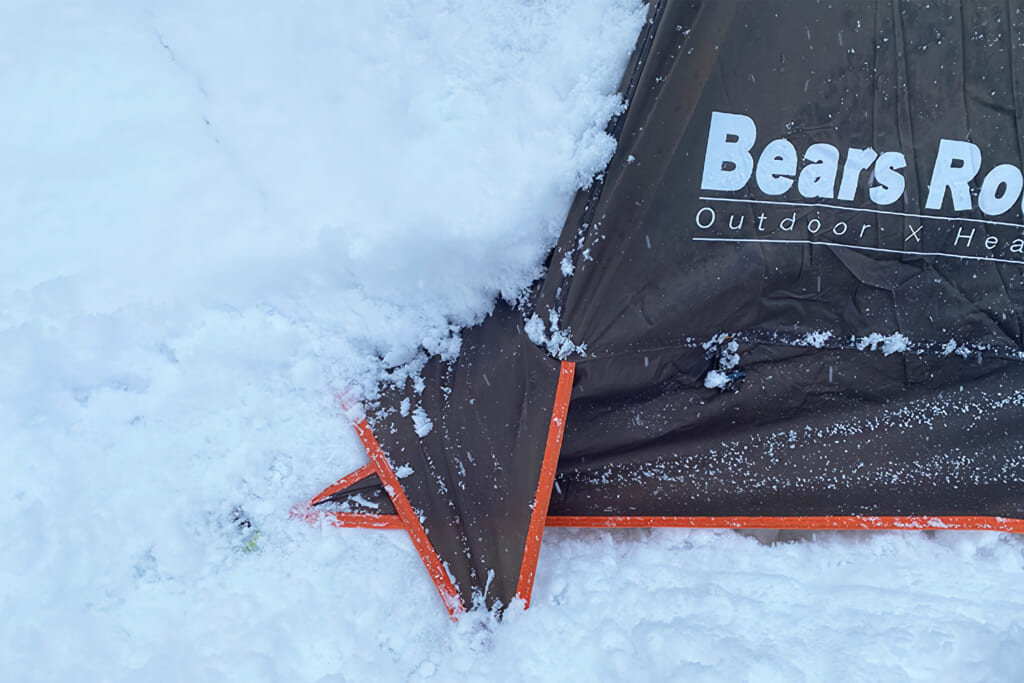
x=795, y=291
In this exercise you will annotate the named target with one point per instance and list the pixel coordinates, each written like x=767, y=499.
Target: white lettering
x=727, y=161
x=818, y=178
x=776, y=167
x=961, y=235
x=1006, y=177
x=890, y=182
x=956, y=165
x=704, y=225
x=857, y=161
x=730, y=164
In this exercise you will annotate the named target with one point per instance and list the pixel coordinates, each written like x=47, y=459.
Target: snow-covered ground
x=214, y=216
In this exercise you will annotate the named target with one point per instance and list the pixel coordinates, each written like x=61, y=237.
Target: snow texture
x=890, y=344
x=716, y=380
x=817, y=338
x=421, y=422
x=558, y=342
x=217, y=219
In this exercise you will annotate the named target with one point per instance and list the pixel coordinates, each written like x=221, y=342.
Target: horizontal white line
x=857, y=246
x=859, y=210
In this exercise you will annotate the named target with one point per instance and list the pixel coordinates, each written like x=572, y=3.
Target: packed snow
x=217, y=217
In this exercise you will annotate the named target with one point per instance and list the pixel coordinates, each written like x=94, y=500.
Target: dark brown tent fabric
x=467, y=448
x=796, y=292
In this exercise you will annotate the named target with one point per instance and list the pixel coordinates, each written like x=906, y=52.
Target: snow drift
x=212, y=218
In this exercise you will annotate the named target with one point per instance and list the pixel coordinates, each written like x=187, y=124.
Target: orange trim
x=808, y=523
x=845, y=522
x=449, y=594
x=365, y=520
x=549, y=466
x=356, y=519
x=346, y=481
x=407, y=518
x=852, y=522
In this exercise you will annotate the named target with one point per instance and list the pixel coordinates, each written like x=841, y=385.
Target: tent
x=794, y=299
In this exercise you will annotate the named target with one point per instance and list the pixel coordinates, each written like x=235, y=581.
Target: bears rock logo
x=849, y=200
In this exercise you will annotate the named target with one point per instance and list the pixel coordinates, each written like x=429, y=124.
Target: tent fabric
x=795, y=294
x=384, y=517
x=466, y=449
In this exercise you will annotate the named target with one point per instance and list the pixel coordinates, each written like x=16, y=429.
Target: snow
x=816, y=339
x=216, y=218
x=727, y=357
x=716, y=380
x=725, y=350
x=559, y=343
x=892, y=343
x=421, y=422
